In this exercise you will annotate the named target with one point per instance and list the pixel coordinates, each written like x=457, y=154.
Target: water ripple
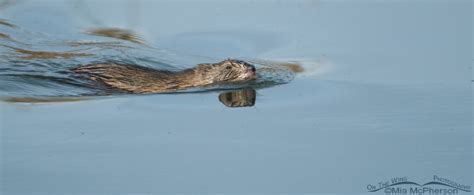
x=39, y=66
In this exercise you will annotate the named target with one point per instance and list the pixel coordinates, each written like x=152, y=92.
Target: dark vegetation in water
x=103, y=45
x=30, y=55
x=5, y=36
x=117, y=33
x=5, y=23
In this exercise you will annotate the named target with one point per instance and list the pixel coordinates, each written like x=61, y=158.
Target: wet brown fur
x=138, y=79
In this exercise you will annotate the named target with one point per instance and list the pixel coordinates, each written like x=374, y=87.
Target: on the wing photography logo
x=402, y=185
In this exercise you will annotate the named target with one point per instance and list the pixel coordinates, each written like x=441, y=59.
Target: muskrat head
x=229, y=71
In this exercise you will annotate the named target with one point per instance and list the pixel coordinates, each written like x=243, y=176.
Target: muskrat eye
x=228, y=67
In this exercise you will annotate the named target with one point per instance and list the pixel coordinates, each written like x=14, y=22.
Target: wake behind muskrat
x=139, y=79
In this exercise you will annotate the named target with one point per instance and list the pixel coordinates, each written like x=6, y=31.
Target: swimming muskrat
x=138, y=79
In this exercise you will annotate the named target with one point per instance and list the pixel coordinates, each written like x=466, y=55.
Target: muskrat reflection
x=232, y=99
x=238, y=98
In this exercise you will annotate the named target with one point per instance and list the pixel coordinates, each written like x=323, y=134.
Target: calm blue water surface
x=385, y=92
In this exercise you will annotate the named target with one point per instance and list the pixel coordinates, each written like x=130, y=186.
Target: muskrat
x=139, y=79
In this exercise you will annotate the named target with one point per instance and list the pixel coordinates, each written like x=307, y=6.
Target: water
x=385, y=92
x=43, y=71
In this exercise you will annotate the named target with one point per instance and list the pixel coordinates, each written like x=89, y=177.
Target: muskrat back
x=139, y=79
